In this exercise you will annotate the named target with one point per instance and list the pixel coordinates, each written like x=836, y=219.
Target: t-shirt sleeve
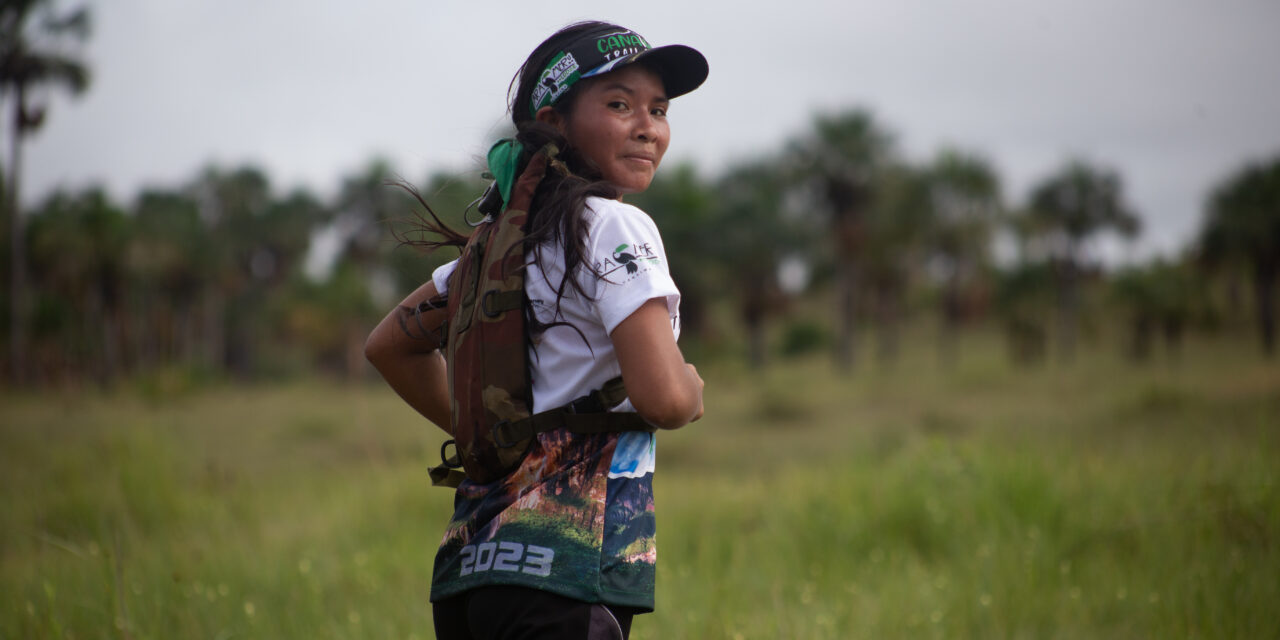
x=630, y=263
x=441, y=276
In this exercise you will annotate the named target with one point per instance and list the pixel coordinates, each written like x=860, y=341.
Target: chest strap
x=586, y=415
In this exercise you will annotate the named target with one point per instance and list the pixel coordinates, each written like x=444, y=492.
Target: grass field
x=1100, y=500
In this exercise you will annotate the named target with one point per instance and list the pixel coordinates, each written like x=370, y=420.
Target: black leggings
x=519, y=613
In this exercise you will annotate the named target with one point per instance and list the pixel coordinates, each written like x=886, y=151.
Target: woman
x=563, y=547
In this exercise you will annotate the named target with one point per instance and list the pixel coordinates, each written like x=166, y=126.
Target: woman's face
x=619, y=122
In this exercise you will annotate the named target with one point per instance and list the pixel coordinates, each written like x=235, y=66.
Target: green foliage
x=1242, y=229
x=1242, y=218
x=1161, y=299
x=803, y=337
x=210, y=277
x=1024, y=298
x=980, y=501
x=34, y=43
x=1079, y=201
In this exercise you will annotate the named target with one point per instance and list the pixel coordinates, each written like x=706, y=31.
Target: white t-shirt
x=630, y=268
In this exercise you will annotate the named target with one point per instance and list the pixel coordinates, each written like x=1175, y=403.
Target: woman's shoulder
x=615, y=211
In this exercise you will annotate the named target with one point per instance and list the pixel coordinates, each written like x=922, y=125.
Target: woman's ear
x=548, y=115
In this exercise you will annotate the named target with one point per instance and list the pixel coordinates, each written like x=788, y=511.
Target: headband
x=504, y=162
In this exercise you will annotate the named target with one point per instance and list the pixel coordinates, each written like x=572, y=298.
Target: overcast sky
x=1174, y=94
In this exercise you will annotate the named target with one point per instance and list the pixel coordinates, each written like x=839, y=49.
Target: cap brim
x=681, y=68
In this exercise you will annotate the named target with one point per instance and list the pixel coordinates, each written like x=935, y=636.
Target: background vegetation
x=1099, y=501
x=1038, y=445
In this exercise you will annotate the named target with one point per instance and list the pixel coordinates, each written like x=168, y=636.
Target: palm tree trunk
x=17, y=252
x=1068, y=308
x=212, y=346
x=949, y=329
x=752, y=311
x=755, y=343
x=888, y=313
x=1265, y=285
x=847, y=309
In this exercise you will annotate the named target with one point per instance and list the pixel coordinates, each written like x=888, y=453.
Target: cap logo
x=616, y=45
x=555, y=80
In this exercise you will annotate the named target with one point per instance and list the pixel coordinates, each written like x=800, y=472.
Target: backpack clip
x=453, y=462
x=501, y=435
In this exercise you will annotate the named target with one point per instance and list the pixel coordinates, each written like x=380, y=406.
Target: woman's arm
x=405, y=350
x=664, y=389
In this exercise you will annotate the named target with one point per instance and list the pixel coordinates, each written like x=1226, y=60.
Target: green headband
x=504, y=162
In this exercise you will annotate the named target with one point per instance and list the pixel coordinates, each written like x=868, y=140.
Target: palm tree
x=1071, y=207
x=78, y=250
x=1243, y=224
x=897, y=230
x=840, y=160
x=752, y=233
x=1161, y=299
x=366, y=205
x=231, y=205
x=964, y=193
x=171, y=258
x=31, y=56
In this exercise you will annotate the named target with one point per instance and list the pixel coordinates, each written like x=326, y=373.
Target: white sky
x=1174, y=94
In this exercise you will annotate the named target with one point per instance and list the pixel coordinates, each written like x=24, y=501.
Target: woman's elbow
x=377, y=349
x=670, y=410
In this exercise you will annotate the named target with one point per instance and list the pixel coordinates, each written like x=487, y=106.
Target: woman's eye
x=660, y=112
x=618, y=105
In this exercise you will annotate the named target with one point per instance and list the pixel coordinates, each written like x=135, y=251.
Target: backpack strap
x=588, y=414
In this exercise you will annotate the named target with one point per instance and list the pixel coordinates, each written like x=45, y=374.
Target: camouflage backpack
x=487, y=355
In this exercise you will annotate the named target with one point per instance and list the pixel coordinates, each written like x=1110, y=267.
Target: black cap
x=600, y=51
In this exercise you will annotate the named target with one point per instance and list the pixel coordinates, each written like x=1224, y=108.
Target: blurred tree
x=78, y=258
x=230, y=204
x=897, y=230
x=1024, y=300
x=1242, y=225
x=751, y=233
x=1070, y=207
x=840, y=159
x=367, y=204
x=1161, y=299
x=964, y=193
x=171, y=259
x=33, y=43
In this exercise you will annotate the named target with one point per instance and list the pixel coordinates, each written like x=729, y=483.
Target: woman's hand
x=404, y=348
x=664, y=389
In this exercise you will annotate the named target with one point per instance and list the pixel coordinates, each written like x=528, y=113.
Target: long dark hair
x=555, y=215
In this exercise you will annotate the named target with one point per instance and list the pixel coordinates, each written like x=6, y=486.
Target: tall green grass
x=1097, y=500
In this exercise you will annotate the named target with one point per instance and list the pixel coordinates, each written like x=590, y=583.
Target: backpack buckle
x=453, y=462
x=589, y=403
x=500, y=433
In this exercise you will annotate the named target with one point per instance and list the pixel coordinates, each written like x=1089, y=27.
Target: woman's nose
x=645, y=129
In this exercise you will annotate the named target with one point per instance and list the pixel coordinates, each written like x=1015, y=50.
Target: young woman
x=563, y=547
